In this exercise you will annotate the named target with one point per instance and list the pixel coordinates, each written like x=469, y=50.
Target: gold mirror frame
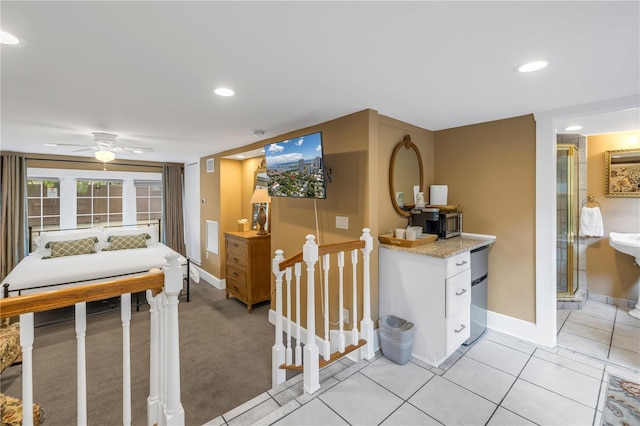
x=622, y=173
x=406, y=144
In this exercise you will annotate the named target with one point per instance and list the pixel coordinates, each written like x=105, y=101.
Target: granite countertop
x=449, y=247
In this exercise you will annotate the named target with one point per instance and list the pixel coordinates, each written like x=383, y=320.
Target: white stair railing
x=361, y=338
x=163, y=287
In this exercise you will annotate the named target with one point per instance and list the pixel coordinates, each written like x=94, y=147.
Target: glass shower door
x=567, y=218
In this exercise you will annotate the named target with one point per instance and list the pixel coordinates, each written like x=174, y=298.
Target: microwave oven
x=432, y=221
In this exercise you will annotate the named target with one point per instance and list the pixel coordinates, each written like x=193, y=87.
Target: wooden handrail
x=322, y=250
x=39, y=302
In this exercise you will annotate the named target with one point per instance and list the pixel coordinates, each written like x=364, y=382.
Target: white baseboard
x=210, y=279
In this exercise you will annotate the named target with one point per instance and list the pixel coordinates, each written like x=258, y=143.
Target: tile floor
x=499, y=380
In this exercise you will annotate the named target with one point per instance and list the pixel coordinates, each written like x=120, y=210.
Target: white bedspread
x=33, y=271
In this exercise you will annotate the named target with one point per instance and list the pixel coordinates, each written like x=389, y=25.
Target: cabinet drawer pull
x=464, y=290
x=462, y=327
x=464, y=262
x=235, y=259
x=236, y=288
x=235, y=274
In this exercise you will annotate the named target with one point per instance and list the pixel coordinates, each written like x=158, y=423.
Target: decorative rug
x=622, y=407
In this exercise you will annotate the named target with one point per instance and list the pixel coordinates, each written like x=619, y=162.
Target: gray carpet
x=225, y=355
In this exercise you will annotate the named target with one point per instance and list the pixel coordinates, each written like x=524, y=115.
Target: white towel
x=591, y=222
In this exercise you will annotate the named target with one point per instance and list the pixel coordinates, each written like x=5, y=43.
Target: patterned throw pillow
x=72, y=247
x=123, y=242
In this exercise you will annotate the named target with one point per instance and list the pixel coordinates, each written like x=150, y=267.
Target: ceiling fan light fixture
x=104, y=155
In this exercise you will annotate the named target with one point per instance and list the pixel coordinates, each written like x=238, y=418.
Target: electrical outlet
x=345, y=316
x=342, y=222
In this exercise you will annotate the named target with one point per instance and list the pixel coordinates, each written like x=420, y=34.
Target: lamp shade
x=260, y=195
x=104, y=155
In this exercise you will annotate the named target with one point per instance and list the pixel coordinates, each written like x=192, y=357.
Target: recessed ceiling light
x=50, y=144
x=532, y=66
x=239, y=156
x=572, y=128
x=137, y=151
x=223, y=91
x=6, y=38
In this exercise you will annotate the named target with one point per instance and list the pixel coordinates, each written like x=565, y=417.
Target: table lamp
x=261, y=196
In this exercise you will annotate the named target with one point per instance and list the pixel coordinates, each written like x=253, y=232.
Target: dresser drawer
x=237, y=288
x=458, y=293
x=236, y=245
x=237, y=259
x=456, y=264
x=236, y=274
x=457, y=330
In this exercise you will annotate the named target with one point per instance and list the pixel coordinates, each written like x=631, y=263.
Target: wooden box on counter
x=248, y=264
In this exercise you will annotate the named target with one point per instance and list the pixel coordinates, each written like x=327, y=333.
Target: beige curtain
x=172, y=209
x=13, y=216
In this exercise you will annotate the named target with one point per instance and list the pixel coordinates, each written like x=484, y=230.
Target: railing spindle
x=81, y=368
x=277, y=352
x=311, y=369
x=326, y=265
x=298, y=274
x=354, y=331
x=26, y=343
x=289, y=353
x=341, y=338
x=125, y=316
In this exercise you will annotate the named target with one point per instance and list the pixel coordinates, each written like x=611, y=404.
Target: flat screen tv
x=295, y=167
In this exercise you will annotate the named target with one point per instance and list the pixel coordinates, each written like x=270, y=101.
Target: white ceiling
x=145, y=69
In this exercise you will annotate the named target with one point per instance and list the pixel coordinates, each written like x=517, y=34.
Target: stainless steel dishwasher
x=479, y=283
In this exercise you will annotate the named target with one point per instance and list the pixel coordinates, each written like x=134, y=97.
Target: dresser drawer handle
x=464, y=290
x=235, y=274
x=235, y=244
x=236, y=288
x=462, y=327
x=464, y=262
x=235, y=259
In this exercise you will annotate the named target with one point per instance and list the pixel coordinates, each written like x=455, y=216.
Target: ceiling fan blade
x=91, y=148
x=137, y=149
x=54, y=144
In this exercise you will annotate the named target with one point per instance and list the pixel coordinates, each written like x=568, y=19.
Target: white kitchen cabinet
x=434, y=293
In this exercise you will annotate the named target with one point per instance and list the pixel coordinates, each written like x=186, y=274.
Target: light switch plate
x=342, y=222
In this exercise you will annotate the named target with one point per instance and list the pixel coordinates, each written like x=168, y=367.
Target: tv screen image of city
x=295, y=167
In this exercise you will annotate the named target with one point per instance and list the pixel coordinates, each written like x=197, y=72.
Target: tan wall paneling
x=610, y=272
x=490, y=171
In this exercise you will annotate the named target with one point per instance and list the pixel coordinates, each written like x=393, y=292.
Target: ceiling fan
x=105, y=147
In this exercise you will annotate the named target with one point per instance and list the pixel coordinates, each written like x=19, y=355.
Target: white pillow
x=131, y=230
x=75, y=234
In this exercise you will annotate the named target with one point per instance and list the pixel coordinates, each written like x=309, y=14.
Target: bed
x=67, y=258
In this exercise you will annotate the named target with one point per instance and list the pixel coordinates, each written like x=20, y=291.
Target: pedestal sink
x=628, y=244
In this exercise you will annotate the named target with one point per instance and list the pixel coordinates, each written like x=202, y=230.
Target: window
x=43, y=204
x=99, y=203
x=148, y=201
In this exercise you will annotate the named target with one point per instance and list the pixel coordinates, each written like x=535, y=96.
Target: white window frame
x=68, y=189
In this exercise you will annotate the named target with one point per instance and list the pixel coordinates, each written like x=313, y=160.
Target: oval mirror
x=405, y=172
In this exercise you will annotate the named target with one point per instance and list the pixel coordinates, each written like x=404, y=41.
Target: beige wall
x=490, y=171
x=610, y=272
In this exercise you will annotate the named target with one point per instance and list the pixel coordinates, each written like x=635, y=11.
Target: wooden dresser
x=248, y=264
